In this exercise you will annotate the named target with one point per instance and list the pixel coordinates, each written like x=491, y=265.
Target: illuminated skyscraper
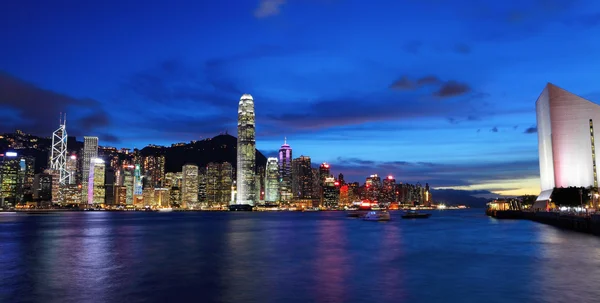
x=246, y=152
x=302, y=182
x=272, y=180
x=285, y=172
x=218, y=184
x=388, y=191
x=331, y=193
x=96, y=182
x=90, y=151
x=154, y=168
x=137, y=181
x=189, y=192
x=72, y=169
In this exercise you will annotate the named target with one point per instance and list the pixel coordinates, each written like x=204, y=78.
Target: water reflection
x=291, y=257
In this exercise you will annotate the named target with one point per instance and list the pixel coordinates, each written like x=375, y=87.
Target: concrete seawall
x=586, y=224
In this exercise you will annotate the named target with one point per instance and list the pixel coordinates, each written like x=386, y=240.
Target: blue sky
x=431, y=91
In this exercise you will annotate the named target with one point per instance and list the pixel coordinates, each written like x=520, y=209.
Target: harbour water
x=454, y=256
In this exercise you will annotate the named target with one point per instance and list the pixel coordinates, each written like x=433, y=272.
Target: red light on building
x=336, y=183
x=390, y=177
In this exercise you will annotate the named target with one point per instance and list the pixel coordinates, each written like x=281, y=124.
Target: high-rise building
x=388, y=190
x=90, y=151
x=109, y=186
x=324, y=172
x=148, y=194
x=331, y=193
x=373, y=187
x=154, y=168
x=42, y=187
x=246, y=152
x=16, y=175
x=272, y=180
x=162, y=197
x=72, y=169
x=219, y=177
x=285, y=172
x=138, y=184
x=302, y=178
x=202, y=185
x=128, y=182
x=566, y=127
x=189, y=192
x=96, y=190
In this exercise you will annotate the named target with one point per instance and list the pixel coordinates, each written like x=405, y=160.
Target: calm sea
x=455, y=256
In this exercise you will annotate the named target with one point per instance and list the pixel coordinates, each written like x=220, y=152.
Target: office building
x=189, y=191
x=272, y=180
x=246, y=152
x=302, y=178
x=90, y=151
x=285, y=172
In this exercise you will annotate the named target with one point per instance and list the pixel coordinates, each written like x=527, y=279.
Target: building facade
x=302, y=178
x=189, y=192
x=90, y=151
x=272, y=180
x=285, y=172
x=246, y=152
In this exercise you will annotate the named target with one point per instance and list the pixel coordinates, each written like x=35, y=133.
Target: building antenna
x=284, y=140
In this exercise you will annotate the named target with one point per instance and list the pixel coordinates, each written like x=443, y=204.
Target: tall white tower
x=246, y=151
x=58, y=157
x=90, y=151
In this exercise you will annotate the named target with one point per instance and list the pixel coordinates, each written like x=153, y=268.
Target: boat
x=165, y=209
x=377, y=216
x=240, y=207
x=312, y=209
x=413, y=214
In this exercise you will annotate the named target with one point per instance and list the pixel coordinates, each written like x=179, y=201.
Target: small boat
x=312, y=209
x=165, y=209
x=377, y=216
x=413, y=214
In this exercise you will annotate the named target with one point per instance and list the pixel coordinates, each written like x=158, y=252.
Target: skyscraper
x=90, y=151
x=246, y=151
x=285, y=172
x=271, y=180
x=218, y=183
x=302, y=183
x=96, y=192
x=189, y=192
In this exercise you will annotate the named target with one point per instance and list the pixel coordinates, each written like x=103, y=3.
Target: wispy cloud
x=268, y=8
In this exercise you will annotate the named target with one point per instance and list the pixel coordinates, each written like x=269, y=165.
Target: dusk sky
x=433, y=91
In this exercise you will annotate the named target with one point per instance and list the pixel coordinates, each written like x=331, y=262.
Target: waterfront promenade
x=586, y=223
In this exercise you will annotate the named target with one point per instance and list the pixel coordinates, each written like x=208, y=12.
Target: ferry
x=165, y=209
x=413, y=214
x=377, y=216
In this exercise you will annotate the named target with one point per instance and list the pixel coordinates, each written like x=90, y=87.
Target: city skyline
x=450, y=102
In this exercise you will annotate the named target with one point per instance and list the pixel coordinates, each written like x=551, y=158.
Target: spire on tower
x=284, y=140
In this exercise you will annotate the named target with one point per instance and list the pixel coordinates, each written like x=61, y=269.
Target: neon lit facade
x=246, y=152
x=285, y=172
x=96, y=190
x=90, y=151
x=271, y=180
x=566, y=140
x=137, y=181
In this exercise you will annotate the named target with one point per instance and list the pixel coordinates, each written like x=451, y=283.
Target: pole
x=581, y=197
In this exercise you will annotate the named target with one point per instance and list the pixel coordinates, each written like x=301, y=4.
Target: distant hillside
x=222, y=148
x=454, y=197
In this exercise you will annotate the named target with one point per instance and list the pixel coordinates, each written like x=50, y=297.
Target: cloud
x=38, y=109
x=268, y=8
x=403, y=84
x=104, y=137
x=530, y=130
x=452, y=89
x=428, y=80
x=494, y=130
x=350, y=110
x=437, y=174
x=462, y=48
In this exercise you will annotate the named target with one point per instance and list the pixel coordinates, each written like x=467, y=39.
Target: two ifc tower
x=246, y=152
